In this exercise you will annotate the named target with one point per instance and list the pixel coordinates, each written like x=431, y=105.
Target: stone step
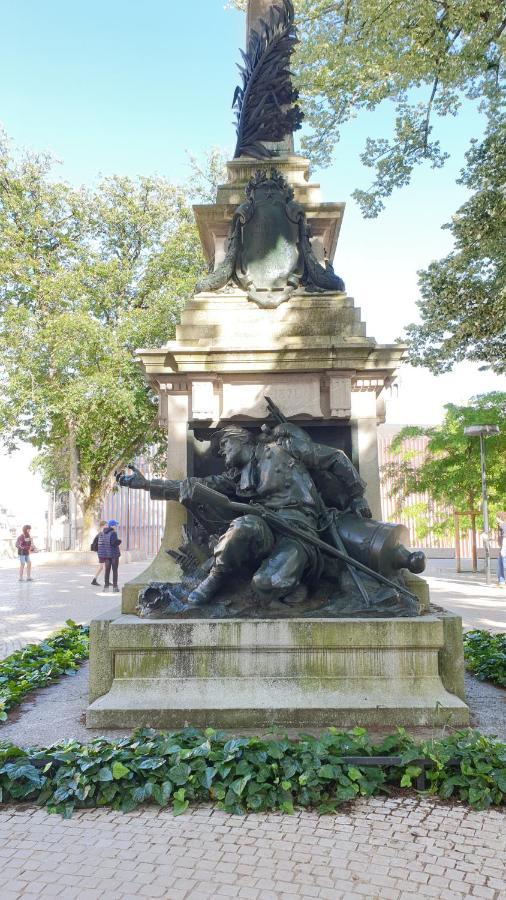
x=285, y=317
x=227, y=299
x=264, y=703
x=225, y=332
x=287, y=343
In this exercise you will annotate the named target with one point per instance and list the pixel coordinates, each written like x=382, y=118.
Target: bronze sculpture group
x=291, y=514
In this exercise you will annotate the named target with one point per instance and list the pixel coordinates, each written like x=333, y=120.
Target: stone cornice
x=365, y=356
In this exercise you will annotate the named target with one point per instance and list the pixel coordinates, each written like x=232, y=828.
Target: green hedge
x=485, y=655
x=243, y=774
x=37, y=665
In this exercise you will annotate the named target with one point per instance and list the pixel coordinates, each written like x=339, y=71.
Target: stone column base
x=292, y=673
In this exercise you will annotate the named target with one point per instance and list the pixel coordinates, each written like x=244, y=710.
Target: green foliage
x=485, y=655
x=463, y=306
x=425, y=56
x=247, y=774
x=86, y=277
x=38, y=665
x=451, y=470
x=468, y=766
x=206, y=175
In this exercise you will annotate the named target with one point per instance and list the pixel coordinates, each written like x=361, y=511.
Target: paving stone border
x=378, y=849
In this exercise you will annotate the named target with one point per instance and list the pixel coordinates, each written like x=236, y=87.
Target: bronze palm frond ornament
x=265, y=103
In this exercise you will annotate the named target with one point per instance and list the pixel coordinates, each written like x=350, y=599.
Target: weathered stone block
x=419, y=587
x=451, y=655
x=292, y=673
x=101, y=671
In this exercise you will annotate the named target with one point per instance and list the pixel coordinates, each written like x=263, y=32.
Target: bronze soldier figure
x=276, y=473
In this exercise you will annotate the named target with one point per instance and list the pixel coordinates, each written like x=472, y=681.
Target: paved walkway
x=468, y=595
x=29, y=611
x=378, y=848
x=389, y=849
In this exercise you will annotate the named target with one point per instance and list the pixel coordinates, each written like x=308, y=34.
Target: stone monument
x=277, y=596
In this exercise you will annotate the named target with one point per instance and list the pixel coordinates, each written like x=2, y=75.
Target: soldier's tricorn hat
x=231, y=431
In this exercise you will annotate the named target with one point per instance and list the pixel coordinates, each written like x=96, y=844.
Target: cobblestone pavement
x=29, y=611
x=395, y=848
x=468, y=595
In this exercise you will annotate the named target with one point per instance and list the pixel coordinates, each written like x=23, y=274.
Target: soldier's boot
x=207, y=589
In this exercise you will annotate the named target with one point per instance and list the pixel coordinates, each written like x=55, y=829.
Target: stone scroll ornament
x=269, y=252
x=264, y=103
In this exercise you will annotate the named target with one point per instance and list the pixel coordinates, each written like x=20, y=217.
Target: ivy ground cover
x=249, y=773
x=485, y=655
x=38, y=665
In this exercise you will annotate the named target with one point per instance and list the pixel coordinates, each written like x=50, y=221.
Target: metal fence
x=435, y=511
x=141, y=520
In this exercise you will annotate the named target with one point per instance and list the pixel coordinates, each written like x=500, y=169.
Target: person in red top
x=25, y=547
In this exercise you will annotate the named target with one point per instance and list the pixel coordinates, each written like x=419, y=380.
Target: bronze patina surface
x=267, y=542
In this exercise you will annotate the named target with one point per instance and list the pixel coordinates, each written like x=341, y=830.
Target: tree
x=206, y=175
x=426, y=56
x=463, y=306
x=86, y=277
x=450, y=473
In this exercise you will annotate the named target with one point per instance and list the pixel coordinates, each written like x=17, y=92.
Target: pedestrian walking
x=501, y=540
x=25, y=547
x=108, y=550
x=94, y=547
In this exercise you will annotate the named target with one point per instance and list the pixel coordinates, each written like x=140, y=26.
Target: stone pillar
x=177, y=455
x=363, y=417
x=257, y=9
x=163, y=567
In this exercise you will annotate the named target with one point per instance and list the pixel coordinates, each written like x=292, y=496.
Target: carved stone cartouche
x=269, y=252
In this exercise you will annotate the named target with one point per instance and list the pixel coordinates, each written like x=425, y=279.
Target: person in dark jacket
x=94, y=547
x=108, y=550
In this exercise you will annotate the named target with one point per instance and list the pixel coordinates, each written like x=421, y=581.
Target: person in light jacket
x=25, y=546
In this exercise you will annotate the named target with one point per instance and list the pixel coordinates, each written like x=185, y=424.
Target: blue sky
x=128, y=88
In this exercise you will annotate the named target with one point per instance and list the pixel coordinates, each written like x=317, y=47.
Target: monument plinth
x=348, y=636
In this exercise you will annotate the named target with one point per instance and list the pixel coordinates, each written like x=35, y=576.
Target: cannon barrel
x=379, y=545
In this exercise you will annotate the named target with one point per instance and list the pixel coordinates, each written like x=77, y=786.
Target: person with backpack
x=25, y=546
x=94, y=547
x=109, y=552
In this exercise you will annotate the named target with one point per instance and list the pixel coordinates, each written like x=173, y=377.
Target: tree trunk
x=85, y=525
x=90, y=523
x=87, y=494
x=76, y=514
x=473, y=541
x=457, y=541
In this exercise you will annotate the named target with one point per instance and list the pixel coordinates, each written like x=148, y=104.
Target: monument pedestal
x=310, y=353
x=292, y=673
